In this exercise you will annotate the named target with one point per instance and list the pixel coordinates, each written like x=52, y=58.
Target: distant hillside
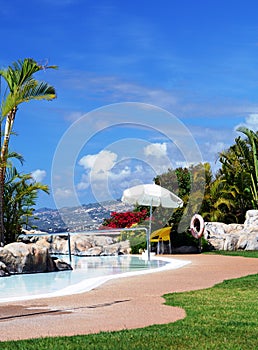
x=76, y=219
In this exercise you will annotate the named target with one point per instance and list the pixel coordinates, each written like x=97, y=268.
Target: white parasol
x=153, y=196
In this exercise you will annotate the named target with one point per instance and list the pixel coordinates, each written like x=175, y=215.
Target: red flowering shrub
x=126, y=219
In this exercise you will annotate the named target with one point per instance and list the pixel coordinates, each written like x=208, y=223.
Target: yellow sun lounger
x=163, y=234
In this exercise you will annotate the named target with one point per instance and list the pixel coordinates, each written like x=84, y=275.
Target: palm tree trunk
x=2, y=229
x=4, y=150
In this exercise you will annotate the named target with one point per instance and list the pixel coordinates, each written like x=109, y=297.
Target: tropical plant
x=189, y=185
x=240, y=173
x=219, y=202
x=252, y=163
x=20, y=194
x=125, y=219
x=177, y=181
x=20, y=87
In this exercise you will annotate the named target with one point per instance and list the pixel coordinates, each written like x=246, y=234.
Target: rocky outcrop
x=61, y=265
x=221, y=236
x=3, y=270
x=18, y=257
x=34, y=254
x=80, y=244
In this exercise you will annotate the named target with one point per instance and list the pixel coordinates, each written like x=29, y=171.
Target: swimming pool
x=87, y=273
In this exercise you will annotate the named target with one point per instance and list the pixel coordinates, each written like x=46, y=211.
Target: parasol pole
x=149, y=231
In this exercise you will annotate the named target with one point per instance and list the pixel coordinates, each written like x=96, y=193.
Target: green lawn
x=244, y=253
x=221, y=317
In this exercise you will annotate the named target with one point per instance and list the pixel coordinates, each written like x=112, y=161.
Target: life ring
x=197, y=226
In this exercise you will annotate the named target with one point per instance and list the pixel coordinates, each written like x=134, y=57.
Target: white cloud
x=121, y=174
x=117, y=89
x=157, y=157
x=97, y=163
x=127, y=174
x=63, y=193
x=108, y=177
x=38, y=175
x=84, y=183
x=157, y=150
x=216, y=147
x=251, y=122
x=139, y=169
x=97, y=170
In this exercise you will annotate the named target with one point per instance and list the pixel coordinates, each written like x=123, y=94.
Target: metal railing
x=110, y=232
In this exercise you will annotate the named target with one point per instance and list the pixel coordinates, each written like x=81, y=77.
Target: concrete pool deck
x=125, y=303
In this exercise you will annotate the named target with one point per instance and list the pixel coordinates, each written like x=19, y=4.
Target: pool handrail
x=91, y=232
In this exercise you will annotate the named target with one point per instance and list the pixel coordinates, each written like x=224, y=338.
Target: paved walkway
x=124, y=303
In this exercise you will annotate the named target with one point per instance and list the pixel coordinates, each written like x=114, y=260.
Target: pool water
x=87, y=273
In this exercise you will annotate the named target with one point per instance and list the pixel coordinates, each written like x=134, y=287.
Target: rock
x=233, y=228
x=230, y=242
x=251, y=218
x=117, y=248
x=59, y=245
x=94, y=251
x=80, y=244
x=30, y=232
x=216, y=243
x=26, y=258
x=18, y=257
x=252, y=243
x=221, y=236
x=3, y=270
x=43, y=242
x=61, y=265
x=103, y=240
x=242, y=242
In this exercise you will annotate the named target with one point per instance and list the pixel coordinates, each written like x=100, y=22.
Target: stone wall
x=221, y=236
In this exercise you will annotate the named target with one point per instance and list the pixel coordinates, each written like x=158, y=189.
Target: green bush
x=137, y=240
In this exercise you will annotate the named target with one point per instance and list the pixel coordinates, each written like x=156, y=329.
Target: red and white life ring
x=197, y=226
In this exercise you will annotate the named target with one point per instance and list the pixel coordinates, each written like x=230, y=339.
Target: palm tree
x=20, y=194
x=21, y=87
x=240, y=171
x=252, y=163
x=219, y=202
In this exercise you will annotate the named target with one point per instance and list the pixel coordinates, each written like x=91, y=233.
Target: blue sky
x=142, y=86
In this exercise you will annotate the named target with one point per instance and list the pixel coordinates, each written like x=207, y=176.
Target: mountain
x=76, y=219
